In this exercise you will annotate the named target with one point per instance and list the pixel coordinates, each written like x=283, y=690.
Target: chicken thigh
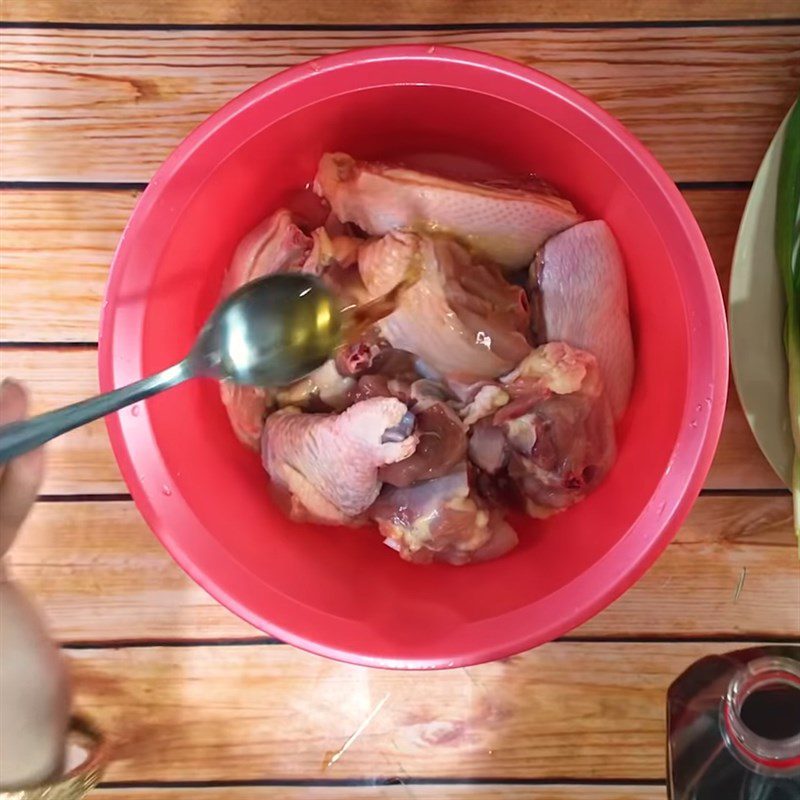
x=442, y=520
x=329, y=463
x=554, y=439
x=579, y=296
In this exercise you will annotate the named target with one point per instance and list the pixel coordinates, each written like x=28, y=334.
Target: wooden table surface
x=200, y=705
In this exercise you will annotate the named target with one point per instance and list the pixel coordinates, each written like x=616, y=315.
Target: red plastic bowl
x=342, y=593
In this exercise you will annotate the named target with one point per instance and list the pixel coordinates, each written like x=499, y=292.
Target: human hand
x=21, y=478
x=34, y=690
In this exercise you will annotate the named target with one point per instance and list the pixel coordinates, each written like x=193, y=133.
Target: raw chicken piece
x=327, y=250
x=558, y=428
x=442, y=444
x=362, y=356
x=442, y=520
x=488, y=448
x=390, y=373
x=247, y=408
x=275, y=245
x=366, y=368
x=506, y=225
x=487, y=400
x=462, y=320
x=278, y=245
x=442, y=435
x=323, y=389
x=329, y=463
x=580, y=297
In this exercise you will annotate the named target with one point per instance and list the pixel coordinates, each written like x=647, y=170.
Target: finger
x=13, y=401
x=13, y=405
x=20, y=478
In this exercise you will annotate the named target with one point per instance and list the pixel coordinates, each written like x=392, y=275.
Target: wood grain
x=74, y=556
x=399, y=791
x=738, y=462
x=378, y=12
x=718, y=213
x=56, y=247
x=590, y=711
x=81, y=461
x=55, y=250
x=106, y=105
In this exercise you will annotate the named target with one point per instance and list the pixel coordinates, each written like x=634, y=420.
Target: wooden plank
x=81, y=462
x=738, y=462
x=56, y=247
x=731, y=570
x=398, y=791
x=74, y=556
x=110, y=104
x=55, y=250
x=718, y=213
x=418, y=12
x=586, y=710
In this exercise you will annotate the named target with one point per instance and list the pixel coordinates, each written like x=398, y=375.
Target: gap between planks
x=71, y=556
x=351, y=13
x=120, y=497
x=119, y=186
x=266, y=641
x=421, y=27
x=391, y=789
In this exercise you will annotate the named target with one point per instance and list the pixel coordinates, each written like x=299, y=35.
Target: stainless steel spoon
x=270, y=332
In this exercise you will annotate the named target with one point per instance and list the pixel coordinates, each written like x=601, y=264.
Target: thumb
x=21, y=478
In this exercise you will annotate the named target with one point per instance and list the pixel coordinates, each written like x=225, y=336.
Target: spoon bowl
x=270, y=332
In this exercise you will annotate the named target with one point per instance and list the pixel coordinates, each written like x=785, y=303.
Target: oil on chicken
x=495, y=384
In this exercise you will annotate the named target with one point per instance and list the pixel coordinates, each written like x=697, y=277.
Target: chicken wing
x=461, y=319
x=274, y=245
x=504, y=224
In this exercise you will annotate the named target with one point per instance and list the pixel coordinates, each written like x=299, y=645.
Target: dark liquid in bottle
x=773, y=712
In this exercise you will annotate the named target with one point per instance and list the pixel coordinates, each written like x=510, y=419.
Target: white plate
x=756, y=307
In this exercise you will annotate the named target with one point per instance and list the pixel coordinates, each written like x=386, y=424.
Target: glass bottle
x=733, y=727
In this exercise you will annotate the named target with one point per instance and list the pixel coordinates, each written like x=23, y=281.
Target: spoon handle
x=17, y=438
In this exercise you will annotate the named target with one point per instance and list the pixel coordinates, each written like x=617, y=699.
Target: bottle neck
x=761, y=715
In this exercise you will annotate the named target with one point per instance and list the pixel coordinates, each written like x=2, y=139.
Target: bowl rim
x=119, y=361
